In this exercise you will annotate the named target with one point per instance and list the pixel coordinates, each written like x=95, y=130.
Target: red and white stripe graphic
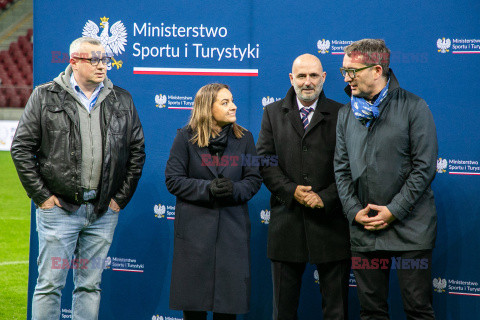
x=466, y=173
x=196, y=72
x=465, y=52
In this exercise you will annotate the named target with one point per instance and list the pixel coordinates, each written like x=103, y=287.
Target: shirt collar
x=300, y=105
x=77, y=88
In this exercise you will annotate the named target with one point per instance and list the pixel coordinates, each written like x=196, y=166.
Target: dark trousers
x=372, y=271
x=202, y=315
x=287, y=282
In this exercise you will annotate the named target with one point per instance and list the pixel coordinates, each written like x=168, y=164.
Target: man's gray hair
x=77, y=43
x=370, y=52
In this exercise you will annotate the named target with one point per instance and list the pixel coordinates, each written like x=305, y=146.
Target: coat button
x=305, y=148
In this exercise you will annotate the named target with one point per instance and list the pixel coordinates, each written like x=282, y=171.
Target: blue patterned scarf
x=366, y=112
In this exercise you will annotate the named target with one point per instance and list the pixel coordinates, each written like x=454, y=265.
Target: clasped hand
x=305, y=196
x=381, y=221
x=221, y=188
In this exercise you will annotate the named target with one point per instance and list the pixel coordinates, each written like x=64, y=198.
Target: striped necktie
x=304, y=112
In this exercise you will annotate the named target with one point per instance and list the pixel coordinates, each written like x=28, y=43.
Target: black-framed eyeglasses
x=352, y=73
x=95, y=60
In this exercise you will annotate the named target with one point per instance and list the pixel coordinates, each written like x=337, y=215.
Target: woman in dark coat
x=209, y=172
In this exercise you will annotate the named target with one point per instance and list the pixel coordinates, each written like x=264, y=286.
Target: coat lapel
x=68, y=105
x=293, y=116
x=202, y=153
x=317, y=115
x=291, y=112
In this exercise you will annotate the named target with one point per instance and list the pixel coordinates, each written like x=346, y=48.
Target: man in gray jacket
x=79, y=153
x=385, y=161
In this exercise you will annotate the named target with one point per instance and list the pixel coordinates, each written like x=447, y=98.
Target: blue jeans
x=61, y=235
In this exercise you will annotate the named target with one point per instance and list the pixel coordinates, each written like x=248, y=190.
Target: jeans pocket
x=48, y=210
x=111, y=211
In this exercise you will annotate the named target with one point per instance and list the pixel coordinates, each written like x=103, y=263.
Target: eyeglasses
x=95, y=61
x=353, y=72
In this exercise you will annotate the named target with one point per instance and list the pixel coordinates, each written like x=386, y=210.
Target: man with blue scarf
x=385, y=161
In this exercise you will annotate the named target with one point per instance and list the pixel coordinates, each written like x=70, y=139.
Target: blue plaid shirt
x=87, y=103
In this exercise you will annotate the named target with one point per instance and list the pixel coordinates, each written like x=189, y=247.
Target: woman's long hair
x=201, y=120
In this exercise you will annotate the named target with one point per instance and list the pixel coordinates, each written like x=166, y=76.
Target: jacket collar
x=62, y=82
x=61, y=86
x=291, y=110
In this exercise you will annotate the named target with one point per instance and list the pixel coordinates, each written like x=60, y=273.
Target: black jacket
x=47, y=148
x=391, y=164
x=297, y=233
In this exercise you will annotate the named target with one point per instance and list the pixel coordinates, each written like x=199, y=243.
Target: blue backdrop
x=172, y=48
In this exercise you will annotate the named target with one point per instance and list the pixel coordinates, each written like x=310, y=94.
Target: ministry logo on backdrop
x=352, y=282
x=267, y=100
x=335, y=46
x=66, y=313
x=113, y=40
x=265, y=216
x=125, y=264
x=316, y=277
x=323, y=46
x=456, y=287
x=160, y=100
x=439, y=284
x=441, y=165
x=458, y=45
x=458, y=166
x=443, y=45
x=108, y=263
x=173, y=102
x=161, y=211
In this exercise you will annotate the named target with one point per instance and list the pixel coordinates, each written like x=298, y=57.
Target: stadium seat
x=16, y=70
x=25, y=98
x=18, y=80
x=6, y=80
x=16, y=102
x=23, y=41
x=11, y=69
x=3, y=101
x=14, y=48
x=30, y=79
x=30, y=57
x=25, y=70
x=3, y=55
x=7, y=60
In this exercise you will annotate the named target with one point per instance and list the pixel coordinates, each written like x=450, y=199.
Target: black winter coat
x=211, y=258
x=297, y=233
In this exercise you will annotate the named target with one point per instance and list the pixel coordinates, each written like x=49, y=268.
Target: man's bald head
x=307, y=59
